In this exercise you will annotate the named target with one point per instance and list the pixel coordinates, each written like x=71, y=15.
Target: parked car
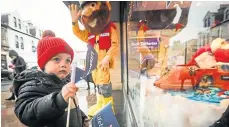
x=6, y=74
x=34, y=67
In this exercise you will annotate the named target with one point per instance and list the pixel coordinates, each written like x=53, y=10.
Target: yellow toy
x=101, y=33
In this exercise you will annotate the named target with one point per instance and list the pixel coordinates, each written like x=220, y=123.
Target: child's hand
x=11, y=66
x=69, y=90
x=75, y=12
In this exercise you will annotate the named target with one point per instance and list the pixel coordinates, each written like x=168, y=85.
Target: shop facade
x=173, y=64
x=172, y=71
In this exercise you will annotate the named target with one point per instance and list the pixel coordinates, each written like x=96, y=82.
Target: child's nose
x=63, y=63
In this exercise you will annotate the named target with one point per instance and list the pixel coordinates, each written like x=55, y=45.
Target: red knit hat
x=50, y=46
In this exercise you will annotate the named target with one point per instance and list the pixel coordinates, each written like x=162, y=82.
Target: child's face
x=59, y=65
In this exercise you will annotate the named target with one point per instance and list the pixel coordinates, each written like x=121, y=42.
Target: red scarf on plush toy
x=104, y=38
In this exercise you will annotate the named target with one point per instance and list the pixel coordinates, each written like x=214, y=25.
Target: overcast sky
x=195, y=19
x=54, y=15
x=45, y=14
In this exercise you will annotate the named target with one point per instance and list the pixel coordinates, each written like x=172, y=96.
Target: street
x=5, y=84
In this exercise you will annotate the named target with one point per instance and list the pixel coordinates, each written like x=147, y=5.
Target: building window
x=227, y=14
x=22, y=43
x=40, y=32
x=209, y=22
x=4, y=36
x=16, y=41
x=33, y=47
x=3, y=61
x=15, y=22
x=205, y=23
x=19, y=23
x=168, y=3
x=27, y=29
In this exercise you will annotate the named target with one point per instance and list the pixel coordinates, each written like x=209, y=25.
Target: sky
x=195, y=19
x=54, y=15
x=46, y=14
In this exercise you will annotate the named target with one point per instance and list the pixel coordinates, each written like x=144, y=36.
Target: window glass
x=22, y=43
x=16, y=41
x=178, y=62
x=33, y=47
x=27, y=29
x=15, y=22
x=227, y=14
x=19, y=23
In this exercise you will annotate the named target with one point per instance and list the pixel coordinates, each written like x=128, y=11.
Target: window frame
x=27, y=31
x=227, y=15
x=33, y=46
x=16, y=42
x=19, y=23
x=209, y=22
x=22, y=43
x=15, y=22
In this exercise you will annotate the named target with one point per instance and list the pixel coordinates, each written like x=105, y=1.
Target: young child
x=42, y=95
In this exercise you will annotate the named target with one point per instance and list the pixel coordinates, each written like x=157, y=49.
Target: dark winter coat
x=223, y=121
x=40, y=103
x=19, y=62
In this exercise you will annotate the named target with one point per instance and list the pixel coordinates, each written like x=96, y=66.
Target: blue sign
x=105, y=118
x=91, y=64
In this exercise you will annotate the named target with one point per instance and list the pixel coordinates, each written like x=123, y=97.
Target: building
x=190, y=49
x=176, y=54
x=216, y=25
x=80, y=59
x=20, y=35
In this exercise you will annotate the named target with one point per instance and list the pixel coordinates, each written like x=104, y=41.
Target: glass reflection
x=178, y=62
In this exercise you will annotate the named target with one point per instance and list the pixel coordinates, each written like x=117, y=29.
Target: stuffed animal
x=101, y=33
x=220, y=49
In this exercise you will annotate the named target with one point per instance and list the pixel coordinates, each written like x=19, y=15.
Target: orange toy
x=179, y=78
x=176, y=79
x=187, y=76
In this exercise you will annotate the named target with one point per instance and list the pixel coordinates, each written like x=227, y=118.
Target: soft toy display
x=210, y=62
x=101, y=33
x=219, y=49
x=215, y=58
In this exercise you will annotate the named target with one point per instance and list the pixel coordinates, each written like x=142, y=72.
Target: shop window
x=16, y=41
x=15, y=22
x=171, y=65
